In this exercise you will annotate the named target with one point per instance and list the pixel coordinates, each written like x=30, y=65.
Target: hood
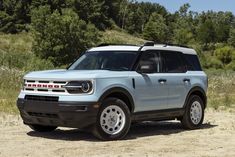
x=64, y=74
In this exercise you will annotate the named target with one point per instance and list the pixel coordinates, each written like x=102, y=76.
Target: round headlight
x=85, y=87
x=76, y=87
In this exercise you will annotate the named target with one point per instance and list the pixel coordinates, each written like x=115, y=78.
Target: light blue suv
x=109, y=87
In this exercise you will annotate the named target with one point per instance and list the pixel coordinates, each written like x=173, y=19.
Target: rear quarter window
x=192, y=62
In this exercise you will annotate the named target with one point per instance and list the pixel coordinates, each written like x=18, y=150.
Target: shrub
x=214, y=63
x=225, y=54
x=61, y=37
x=231, y=66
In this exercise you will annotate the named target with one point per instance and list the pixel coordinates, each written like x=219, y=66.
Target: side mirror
x=146, y=67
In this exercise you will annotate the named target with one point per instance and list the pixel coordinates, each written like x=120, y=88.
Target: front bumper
x=66, y=114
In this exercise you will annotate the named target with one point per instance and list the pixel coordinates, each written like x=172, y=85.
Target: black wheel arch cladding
x=120, y=93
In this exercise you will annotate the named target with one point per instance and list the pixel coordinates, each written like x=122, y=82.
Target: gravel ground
x=215, y=139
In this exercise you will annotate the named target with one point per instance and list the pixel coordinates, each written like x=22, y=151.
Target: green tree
x=223, y=22
x=182, y=36
x=14, y=15
x=156, y=29
x=53, y=4
x=183, y=26
x=94, y=11
x=206, y=32
x=135, y=19
x=60, y=38
x=135, y=15
x=231, y=39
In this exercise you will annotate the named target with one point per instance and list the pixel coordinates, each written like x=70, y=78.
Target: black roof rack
x=148, y=43
x=113, y=44
x=151, y=43
x=172, y=44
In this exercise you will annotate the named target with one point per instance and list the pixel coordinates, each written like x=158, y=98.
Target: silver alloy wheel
x=196, y=112
x=112, y=119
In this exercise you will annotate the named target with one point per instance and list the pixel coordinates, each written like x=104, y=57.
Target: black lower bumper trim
x=66, y=114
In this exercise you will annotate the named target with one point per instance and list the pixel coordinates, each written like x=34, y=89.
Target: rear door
x=178, y=84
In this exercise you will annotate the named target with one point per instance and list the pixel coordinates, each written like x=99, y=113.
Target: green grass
x=16, y=59
x=21, y=42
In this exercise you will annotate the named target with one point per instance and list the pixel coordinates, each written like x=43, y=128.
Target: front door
x=150, y=88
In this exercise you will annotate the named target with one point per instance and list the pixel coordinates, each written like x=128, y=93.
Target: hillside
x=120, y=37
x=22, y=42
x=16, y=58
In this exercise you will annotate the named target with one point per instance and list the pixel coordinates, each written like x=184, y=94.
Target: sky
x=198, y=5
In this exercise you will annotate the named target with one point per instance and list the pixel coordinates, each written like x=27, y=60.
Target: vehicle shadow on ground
x=137, y=130
x=145, y=129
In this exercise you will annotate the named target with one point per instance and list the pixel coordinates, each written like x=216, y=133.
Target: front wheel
x=113, y=120
x=42, y=128
x=194, y=113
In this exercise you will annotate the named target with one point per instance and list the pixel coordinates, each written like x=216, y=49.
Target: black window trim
x=135, y=67
x=182, y=60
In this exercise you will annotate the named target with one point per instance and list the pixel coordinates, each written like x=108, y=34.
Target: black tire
x=186, y=120
x=100, y=133
x=42, y=128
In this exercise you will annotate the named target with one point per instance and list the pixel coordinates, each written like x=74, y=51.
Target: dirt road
x=215, y=139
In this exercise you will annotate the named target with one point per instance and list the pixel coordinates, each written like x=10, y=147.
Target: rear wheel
x=194, y=113
x=113, y=121
x=42, y=128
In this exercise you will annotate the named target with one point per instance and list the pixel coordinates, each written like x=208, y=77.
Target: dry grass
x=10, y=84
x=221, y=91
x=120, y=37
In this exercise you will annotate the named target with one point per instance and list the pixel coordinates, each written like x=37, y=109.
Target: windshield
x=105, y=60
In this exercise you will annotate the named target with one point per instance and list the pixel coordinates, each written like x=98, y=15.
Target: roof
x=144, y=48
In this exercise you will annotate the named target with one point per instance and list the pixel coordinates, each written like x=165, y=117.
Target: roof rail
x=149, y=43
x=172, y=44
x=113, y=44
x=152, y=43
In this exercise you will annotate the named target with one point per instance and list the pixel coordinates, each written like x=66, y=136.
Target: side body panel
x=149, y=94
x=179, y=86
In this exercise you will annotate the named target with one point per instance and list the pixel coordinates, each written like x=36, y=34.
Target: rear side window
x=172, y=62
x=192, y=62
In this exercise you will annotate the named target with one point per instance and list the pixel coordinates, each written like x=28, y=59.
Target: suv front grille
x=45, y=86
x=42, y=98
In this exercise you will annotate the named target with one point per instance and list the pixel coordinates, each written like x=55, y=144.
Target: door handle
x=186, y=80
x=162, y=81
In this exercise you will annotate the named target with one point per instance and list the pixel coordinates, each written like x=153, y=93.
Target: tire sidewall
x=193, y=99
x=117, y=102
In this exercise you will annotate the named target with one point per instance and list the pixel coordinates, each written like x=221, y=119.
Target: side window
x=192, y=62
x=172, y=62
x=150, y=58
